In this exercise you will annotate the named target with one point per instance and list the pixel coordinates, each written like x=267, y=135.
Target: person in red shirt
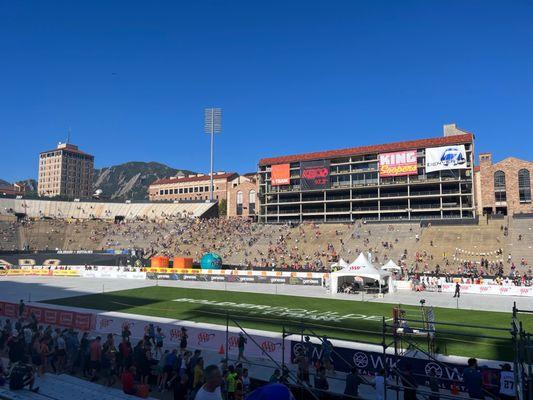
x=95, y=353
x=128, y=381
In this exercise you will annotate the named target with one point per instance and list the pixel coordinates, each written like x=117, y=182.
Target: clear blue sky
x=131, y=78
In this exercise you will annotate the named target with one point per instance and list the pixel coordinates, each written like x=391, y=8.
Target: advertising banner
x=398, y=164
x=445, y=158
x=280, y=175
x=369, y=363
x=294, y=280
x=526, y=291
x=314, y=174
x=197, y=337
x=51, y=316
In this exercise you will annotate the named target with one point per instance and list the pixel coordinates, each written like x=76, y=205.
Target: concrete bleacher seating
x=97, y=210
x=66, y=387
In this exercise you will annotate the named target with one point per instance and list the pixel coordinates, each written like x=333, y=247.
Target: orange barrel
x=182, y=263
x=159, y=262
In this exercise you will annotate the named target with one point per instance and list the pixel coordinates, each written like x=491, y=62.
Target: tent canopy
x=361, y=268
x=391, y=265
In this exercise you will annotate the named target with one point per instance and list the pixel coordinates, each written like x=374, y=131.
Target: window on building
x=251, y=205
x=239, y=202
x=161, y=191
x=524, y=186
x=500, y=193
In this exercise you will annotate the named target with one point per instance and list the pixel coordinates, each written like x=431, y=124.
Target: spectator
x=241, y=343
x=353, y=380
x=275, y=376
x=472, y=380
x=95, y=357
x=379, y=384
x=507, y=383
x=409, y=383
x=210, y=390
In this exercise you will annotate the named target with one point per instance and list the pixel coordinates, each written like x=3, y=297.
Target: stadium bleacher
x=97, y=210
x=65, y=387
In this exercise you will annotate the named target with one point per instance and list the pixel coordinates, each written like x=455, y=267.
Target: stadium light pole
x=212, y=125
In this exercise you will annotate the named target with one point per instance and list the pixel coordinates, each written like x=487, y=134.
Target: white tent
x=391, y=265
x=360, y=268
x=342, y=264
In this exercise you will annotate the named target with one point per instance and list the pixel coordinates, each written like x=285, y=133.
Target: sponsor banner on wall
x=314, y=174
x=294, y=280
x=369, y=363
x=280, y=175
x=197, y=338
x=490, y=289
x=398, y=164
x=445, y=158
x=51, y=316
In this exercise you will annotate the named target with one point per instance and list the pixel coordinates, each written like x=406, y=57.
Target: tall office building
x=65, y=171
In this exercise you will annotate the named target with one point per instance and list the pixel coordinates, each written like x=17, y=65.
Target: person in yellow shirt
x=198, y=373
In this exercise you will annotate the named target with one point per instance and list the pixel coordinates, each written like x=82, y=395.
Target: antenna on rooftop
x=68, y=135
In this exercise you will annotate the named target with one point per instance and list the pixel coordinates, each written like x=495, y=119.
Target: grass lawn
x=341, y=319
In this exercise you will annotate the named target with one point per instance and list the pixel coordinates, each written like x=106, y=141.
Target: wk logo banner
x=370, y=363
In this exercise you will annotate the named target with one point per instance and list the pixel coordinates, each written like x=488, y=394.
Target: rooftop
x=379, y=148
x=228, y=175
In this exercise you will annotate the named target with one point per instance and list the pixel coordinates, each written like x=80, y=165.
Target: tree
x=222, y=208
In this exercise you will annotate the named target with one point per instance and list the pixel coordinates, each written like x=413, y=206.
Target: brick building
x=412, y=180
x=190, y=188
x=503, y=187
x=242, y=198
x=65, y=171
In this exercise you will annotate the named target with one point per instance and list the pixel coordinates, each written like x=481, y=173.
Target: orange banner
x=281, y=174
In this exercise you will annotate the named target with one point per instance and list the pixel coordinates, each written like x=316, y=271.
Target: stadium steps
x=66, y=387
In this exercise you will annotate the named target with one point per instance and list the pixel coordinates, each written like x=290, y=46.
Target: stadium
x=363, y=261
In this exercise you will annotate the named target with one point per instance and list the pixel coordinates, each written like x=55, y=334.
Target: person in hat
x=507, y=383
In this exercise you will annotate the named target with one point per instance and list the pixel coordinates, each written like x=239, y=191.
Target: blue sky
x=131, y=78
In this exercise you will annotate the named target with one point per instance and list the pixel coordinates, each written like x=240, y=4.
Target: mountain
x=130, y=181
x=31, y=185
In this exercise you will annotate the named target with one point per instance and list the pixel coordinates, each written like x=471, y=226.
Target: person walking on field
x=457, y=290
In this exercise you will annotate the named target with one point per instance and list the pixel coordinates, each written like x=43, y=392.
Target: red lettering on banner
x=268, y=347
x=104, y=323
x=524, y=290
x=483, y=288
x=204, y=337
x=233, y=341
x=175, y=334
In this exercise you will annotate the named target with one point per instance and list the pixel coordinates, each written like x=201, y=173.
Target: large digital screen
x=314, y=174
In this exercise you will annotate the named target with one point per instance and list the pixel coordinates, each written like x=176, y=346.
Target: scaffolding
x=402, y=339
x=523, y=356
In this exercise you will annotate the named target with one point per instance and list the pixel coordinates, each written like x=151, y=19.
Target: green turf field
x=343, y=319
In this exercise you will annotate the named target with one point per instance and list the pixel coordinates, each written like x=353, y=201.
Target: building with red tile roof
x=410, y=180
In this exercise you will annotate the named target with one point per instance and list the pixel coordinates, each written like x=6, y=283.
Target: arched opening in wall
x=500, y=192
x=251, y=206
x=239, y=203
x=524, y=186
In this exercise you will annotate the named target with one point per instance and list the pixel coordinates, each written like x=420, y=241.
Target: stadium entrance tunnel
x=119, y=219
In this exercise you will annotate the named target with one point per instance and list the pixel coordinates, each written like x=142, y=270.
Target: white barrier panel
x=113, y=274
x=490, y=289
x=203, y=336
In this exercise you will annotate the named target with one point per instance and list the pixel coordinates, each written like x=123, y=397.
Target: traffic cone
x=221, y=350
